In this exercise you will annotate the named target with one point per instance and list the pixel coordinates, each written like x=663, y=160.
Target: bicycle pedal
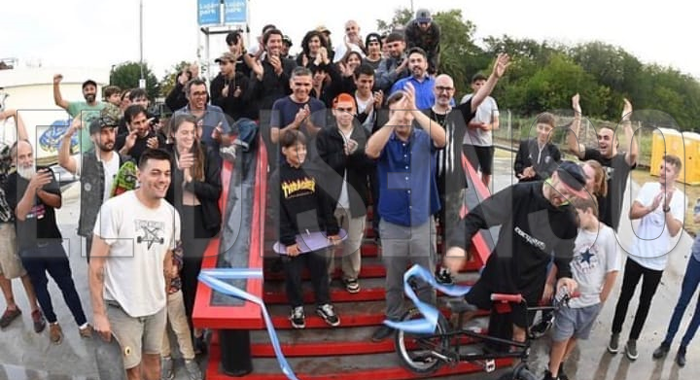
x=488, y=365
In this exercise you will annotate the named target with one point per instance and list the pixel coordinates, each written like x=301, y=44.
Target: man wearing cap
x=537, y=223
x=230, y=89
x=424, y=33
x=395, y=66
x=286, y=45
x=373, y=45
x=352, y=41
x=87, y=110
x=96, y=168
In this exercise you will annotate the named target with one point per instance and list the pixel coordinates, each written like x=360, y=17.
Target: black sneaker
x=326, y=312
x=444, y=277
x=662, y=350
x=680, y=356
x=561, y=375
x=382, y=333
x=297, y=317
x=548, y=376
x=541, y=328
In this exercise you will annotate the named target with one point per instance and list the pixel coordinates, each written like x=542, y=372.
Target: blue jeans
x=690, y=283
x=52, y=258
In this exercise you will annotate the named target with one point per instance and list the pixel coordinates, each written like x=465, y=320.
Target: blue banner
x=208, y=12
x=235, y=11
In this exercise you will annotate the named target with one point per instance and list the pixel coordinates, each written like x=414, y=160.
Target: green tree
x=127, y=75
x=401, y=17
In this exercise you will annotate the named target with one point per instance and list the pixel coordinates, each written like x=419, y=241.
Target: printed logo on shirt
x=37, y=212
x=531, y=240
x=298, y=188
x=586, y=260
x=149, y=232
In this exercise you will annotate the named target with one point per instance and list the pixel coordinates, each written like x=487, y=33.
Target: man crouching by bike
x=595, y=265
x=536, y=220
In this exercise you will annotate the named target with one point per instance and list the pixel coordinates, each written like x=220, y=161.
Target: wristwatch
x=666, y=209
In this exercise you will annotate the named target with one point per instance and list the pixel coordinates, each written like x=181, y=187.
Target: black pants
x=293, y=268
x=52, y=258
x=633, y=273
x=195, y=239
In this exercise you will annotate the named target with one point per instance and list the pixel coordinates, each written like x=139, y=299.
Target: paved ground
x=26, y=355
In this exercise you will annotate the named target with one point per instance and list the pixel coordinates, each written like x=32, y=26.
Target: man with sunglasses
x=536, y=222
x=96, y=168
x=424, y=33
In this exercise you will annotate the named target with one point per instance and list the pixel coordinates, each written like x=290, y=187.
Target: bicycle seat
x=461, y=306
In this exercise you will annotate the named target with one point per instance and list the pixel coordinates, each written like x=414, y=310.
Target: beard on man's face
x=26, y=172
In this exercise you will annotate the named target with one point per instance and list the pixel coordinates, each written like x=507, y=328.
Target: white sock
x=83, y=326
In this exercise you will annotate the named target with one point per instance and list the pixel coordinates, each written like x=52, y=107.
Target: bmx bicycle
x=426, y=353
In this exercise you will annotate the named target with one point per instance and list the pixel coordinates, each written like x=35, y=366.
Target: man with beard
x=451, y=177
x=96, y=168
x=421, y=81
x=213, y=127
x=140, y=137
x=229, y=90
x=395, y=66
x=87, y=110
x=352, y=41
x=131, y=263
x=424, y=33
x=617, y=165
x=272, y=72
x=34, y=196
x=298, y=110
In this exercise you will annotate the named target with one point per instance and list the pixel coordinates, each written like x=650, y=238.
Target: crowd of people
x=371, y=121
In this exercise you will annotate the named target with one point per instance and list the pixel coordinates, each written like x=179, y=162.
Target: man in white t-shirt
x=131, y=260
x=352, y=41
x=96, y=168
x=594, y=267
x=660, y=206
x=478, y=142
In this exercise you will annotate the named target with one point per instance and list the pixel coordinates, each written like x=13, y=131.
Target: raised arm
x=64, y=157
x=19, y=123
x=572, y=138
x=499, y=69
x=633, y=151
x=57, y=97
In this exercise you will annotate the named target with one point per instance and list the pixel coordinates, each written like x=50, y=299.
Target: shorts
x=480, y=157
x=10, y=264
x=574, y=322
x=136, y=335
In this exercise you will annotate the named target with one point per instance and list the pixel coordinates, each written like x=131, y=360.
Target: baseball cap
x=373, y=37
x=323, y=29
x=573, y=177
x=287, y=40
x=423, y=15
x=227, y=56
x=109, y=118
x=89, y=82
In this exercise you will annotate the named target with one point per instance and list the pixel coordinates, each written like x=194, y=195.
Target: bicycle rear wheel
x=521, y=372
x=420, y=353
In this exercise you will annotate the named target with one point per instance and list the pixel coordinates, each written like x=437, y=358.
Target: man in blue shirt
x=406, y=164
x=421, y=81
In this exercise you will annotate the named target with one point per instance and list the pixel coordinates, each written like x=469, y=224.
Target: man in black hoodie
x=347, y=169
x=536, y=222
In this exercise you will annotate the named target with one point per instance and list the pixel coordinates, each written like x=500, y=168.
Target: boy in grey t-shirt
x=594, y=266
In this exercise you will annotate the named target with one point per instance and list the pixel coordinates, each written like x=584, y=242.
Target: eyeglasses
x=349, y=110
x=445, y=89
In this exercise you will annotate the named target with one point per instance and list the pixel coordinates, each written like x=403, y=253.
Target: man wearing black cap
x=229, y=90
x=96, y=168
x=286, y=45
x=537, y=223
x=373, y=46
x=424, y=33
x=87, y=110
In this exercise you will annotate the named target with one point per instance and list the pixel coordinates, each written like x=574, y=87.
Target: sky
x=102, y=33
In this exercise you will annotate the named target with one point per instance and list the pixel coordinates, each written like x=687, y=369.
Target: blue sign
x=208, y=12
x=234, y=11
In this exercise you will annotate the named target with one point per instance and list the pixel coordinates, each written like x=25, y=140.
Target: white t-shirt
x=111, y=169
x=485, y=113
x=342, y=49
x=652, y=241
x=139, y=238
x=595, y=255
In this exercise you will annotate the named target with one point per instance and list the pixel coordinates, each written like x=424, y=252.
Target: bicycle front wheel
x=420, y=353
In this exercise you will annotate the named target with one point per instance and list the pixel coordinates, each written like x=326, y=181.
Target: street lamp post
x=142, y=80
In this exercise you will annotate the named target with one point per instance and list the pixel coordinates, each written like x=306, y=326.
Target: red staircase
x=319, y=351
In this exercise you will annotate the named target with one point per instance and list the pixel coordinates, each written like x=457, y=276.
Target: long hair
x=601, y=183
x=197, y=150
x=307, y=38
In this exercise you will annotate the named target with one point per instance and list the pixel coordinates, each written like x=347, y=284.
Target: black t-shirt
x=617, y=172
x=40, y=223
x=140, y=145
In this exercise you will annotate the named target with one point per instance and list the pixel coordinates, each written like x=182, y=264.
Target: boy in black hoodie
x=303, y=207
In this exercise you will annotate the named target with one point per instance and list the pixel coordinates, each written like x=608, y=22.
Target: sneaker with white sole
x=614, y=344
x=631, y=349
x=328, y=315
x=296, y=316
x=166, y=368
x=352, y=285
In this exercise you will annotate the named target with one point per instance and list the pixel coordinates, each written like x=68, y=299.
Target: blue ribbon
x=213, y=277
x=428, y=324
